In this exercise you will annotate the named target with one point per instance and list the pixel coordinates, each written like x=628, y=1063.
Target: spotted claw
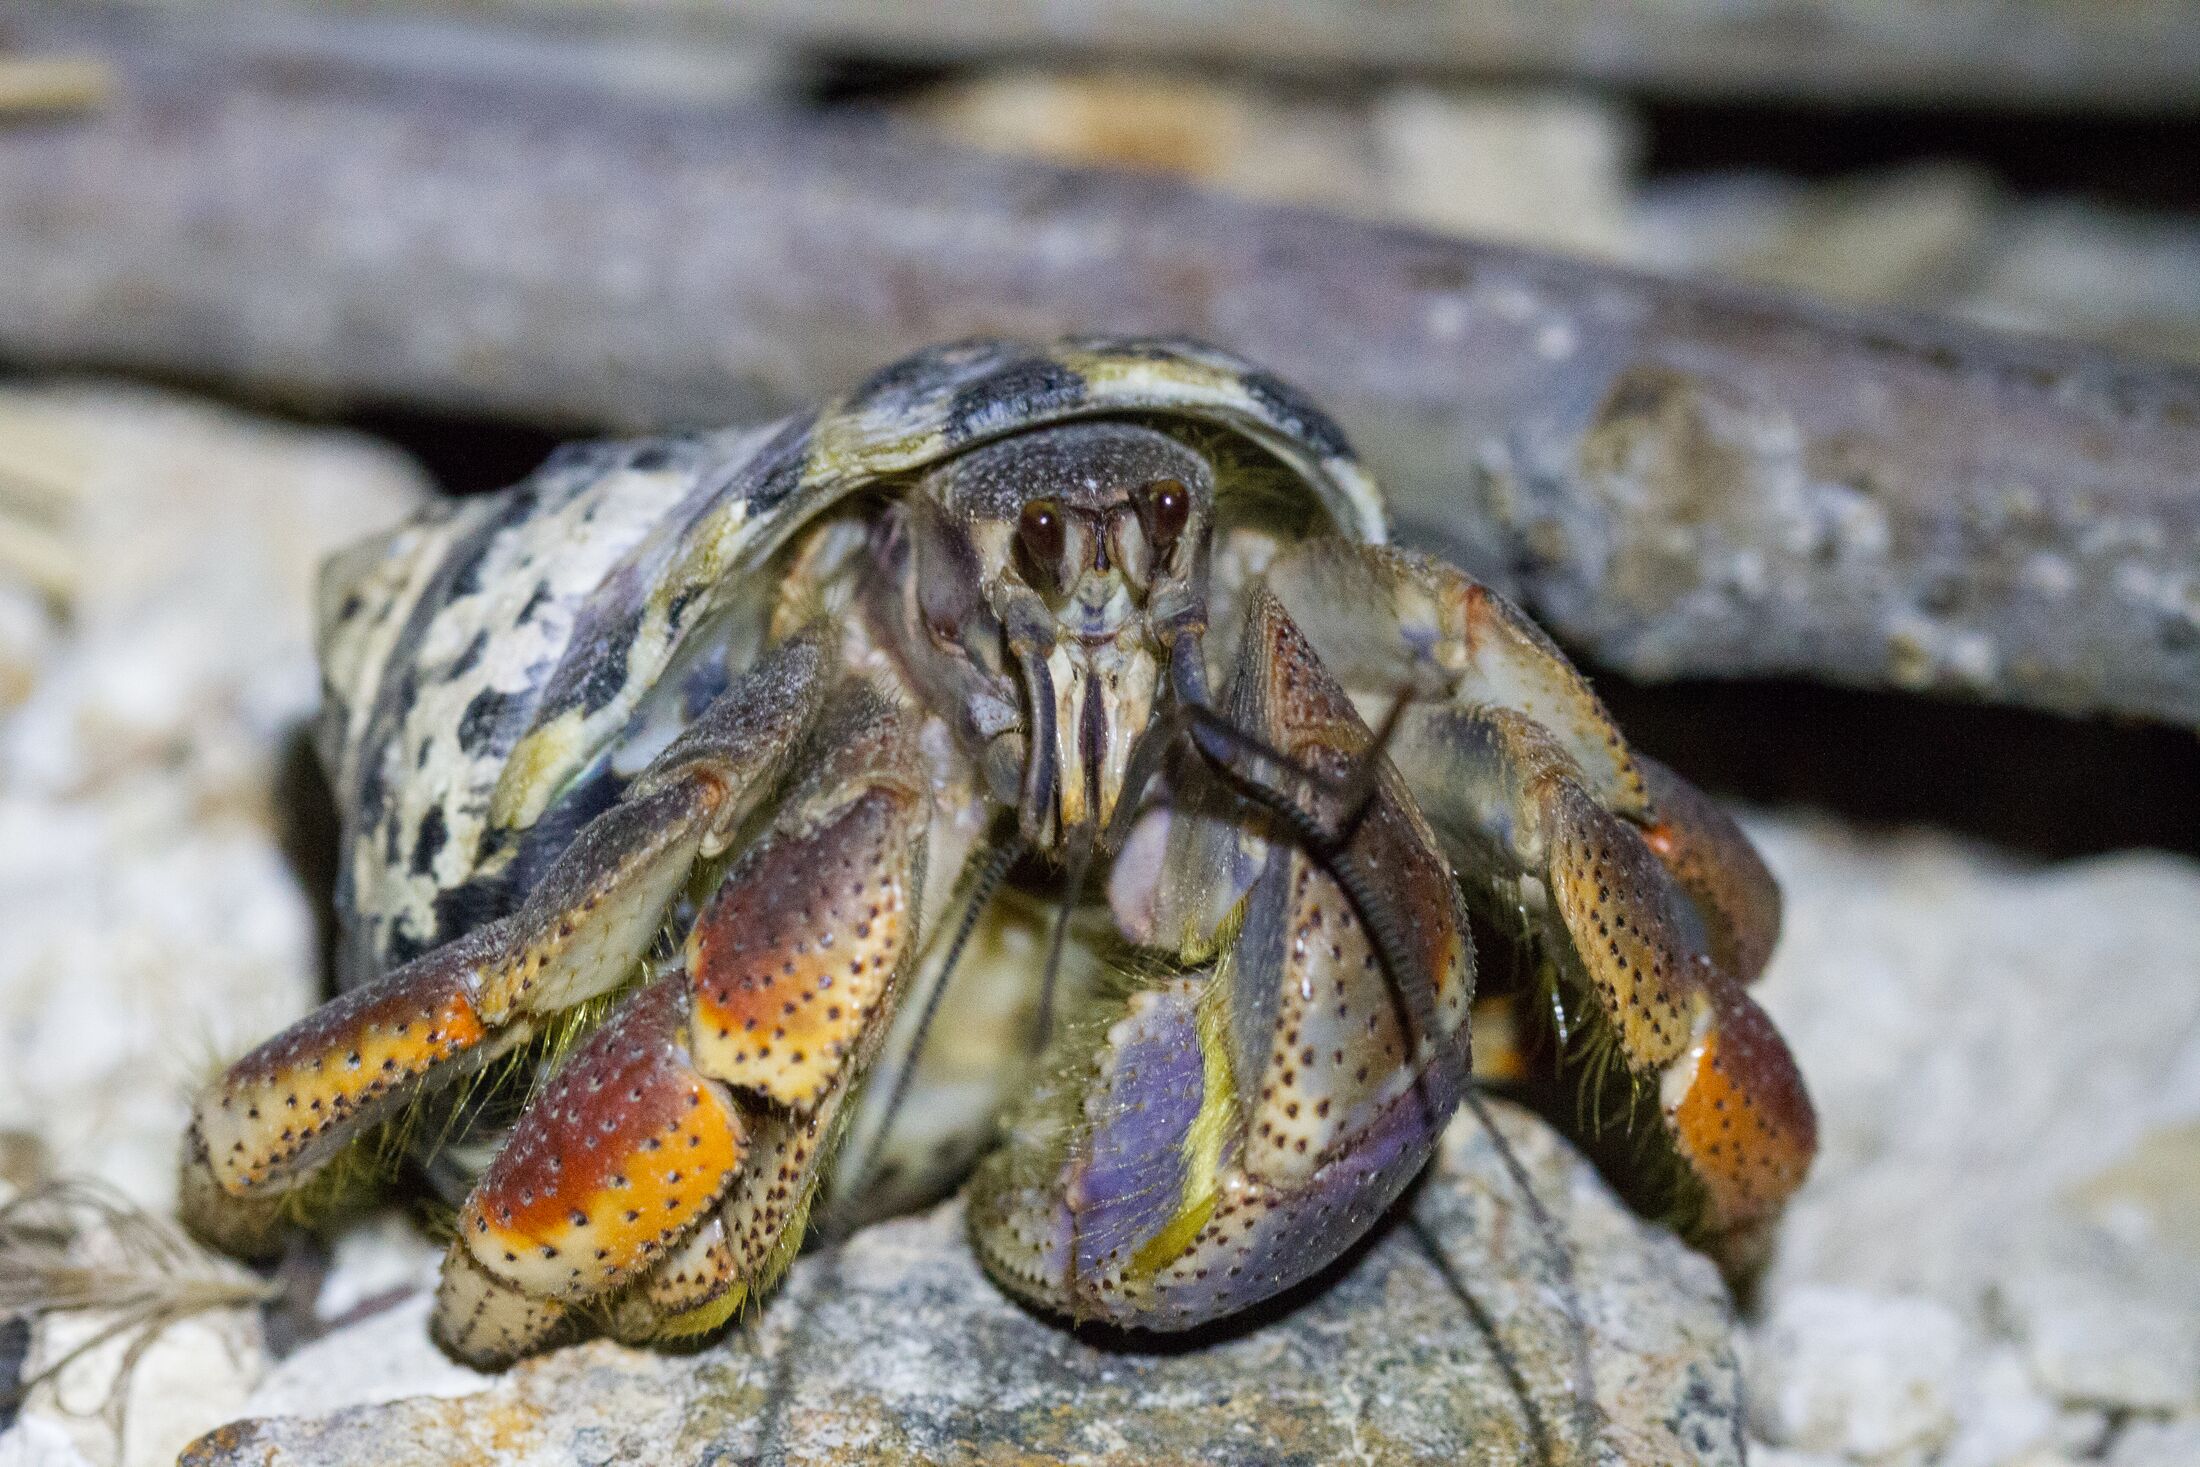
x=1228, y=1130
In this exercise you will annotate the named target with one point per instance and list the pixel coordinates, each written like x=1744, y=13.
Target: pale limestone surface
x=2158, y=1444
x=157, y=558
x=1995, y=1260
x=37, y=1442
x=196, y=1372
x=384, y=1357
x=149, y=923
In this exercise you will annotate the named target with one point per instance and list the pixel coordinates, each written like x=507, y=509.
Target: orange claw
x=626, y=1146
x=794, y=954
x=1735, y=1113
x=1725, y=878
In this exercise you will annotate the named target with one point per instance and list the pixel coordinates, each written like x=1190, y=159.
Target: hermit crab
x=686, y=784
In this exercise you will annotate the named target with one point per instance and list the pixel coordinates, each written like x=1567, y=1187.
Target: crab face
x=1073, y=557
x=728, y=744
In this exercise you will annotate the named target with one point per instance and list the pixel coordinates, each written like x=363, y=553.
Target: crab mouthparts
x=1103, y=699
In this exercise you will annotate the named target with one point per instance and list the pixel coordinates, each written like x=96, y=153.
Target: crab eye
x=1041, y=539
x=1168, y=508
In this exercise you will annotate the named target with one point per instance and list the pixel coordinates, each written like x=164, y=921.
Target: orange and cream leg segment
x=1727, y=880
x=740, y=1250
x=606, y=1171
x=284, y=1109
x=1741, y=1121
x=1634, y=952
x=1384, y=619
x=633, y=1165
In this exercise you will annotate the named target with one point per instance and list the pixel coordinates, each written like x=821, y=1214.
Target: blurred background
x=274, y=275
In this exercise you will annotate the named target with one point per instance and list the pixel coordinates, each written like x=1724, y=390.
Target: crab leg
x=1646, y=904
x=681, y=1141
x=1384, y=619
x=1229, y=1129
x=277, y=1115
x=1734, y=896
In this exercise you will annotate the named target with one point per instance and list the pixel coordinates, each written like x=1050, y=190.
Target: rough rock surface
x=160, y=556
x=157, y=559
x=894, y=1347
x=1995, y=1260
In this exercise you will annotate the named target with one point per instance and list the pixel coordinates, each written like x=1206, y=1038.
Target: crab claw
x=1227, y=1131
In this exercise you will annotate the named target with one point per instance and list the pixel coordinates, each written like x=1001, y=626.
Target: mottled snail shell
x=489, y=668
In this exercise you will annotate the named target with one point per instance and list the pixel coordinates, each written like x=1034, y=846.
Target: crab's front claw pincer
x=273, y=1119
x=1228, y=1131
x=268, y=1123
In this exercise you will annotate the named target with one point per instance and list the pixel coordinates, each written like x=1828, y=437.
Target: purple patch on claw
x=1265, y=1239
x=1129, y=1178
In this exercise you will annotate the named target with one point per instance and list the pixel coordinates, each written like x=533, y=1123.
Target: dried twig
x=2136, y=53
x=1680, y=478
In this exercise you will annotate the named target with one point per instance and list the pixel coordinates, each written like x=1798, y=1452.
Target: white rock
x=2107, y=1346
x=1761, y=1455
x=2157, y=1444
x=1872, y=1377
x=36, y=1442
x=1542, y=168
x=370, y=1263
x=188, y=539
x=174, y=1347
x=2001, y=1415
x=188, y=1379
x=150, y=926
x=1547, y=169
x=1241, y=138
x=2006, y=1066
x=2082, y=1432
x=26, y=637
x=1890, y=237
x=1936, y=237
x=134, y=954
x=385, y=1357
x=2083, y=270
